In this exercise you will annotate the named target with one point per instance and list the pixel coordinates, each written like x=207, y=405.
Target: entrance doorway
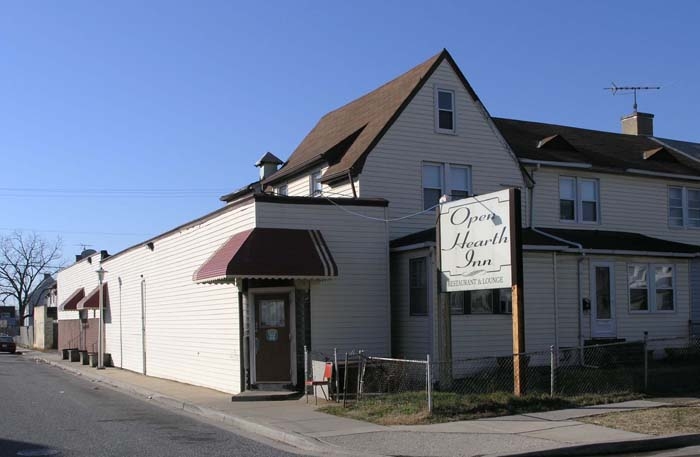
x=272, y=338
x=603, y=323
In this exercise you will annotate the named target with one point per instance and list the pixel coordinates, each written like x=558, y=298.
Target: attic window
x=444, y=111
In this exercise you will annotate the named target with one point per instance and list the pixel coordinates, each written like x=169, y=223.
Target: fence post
x=345, y=381
x=552, y=371
x=306, y=368
x=429, y=383
x=646, y=361
x=337, y=375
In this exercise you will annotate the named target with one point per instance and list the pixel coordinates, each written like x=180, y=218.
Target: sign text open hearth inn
x=475, y=242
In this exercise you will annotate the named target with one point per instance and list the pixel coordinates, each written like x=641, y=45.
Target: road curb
x=290, y=438
x=616, y=447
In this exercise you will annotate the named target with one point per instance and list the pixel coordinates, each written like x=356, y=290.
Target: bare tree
x=23, y=259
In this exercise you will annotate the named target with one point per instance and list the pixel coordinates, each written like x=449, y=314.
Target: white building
x=336, y=249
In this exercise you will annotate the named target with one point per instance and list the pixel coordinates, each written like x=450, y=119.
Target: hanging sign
x=478, y=241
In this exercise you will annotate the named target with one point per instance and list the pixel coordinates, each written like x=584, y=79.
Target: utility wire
x=380, y=219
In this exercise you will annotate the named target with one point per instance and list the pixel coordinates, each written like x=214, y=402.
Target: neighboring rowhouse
x=41, y=308
x=336, y=249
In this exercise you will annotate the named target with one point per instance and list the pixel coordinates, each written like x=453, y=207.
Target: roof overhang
x=70, y=303
x=271, y=253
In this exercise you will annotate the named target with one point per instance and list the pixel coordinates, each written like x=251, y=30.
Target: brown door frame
x=292, y=327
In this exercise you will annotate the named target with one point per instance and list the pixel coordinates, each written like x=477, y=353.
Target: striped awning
x=92, y=300
x=270, y=253
x=70, y=303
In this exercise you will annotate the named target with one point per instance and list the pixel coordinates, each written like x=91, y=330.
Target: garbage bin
x=74, y=355
x=66, y=353
x=84, y=357
x=93, y=359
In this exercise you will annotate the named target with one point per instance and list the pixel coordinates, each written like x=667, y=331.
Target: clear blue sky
x=120, y=120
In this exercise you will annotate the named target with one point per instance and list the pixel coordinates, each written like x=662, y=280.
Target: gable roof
x=346, y=135
x=602, y=151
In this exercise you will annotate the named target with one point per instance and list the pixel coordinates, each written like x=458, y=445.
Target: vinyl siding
x=695, y=295
x=393, y=169
x=351, y=311
x=192, y=330
x=410, y=334
x=627, y=203
x=300, y=186
x=539, y=303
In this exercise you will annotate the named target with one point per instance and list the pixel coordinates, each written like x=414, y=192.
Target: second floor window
x=316, y=187
x=282, y=190
x=683, y=207
x=579, y=199
x=445, y=179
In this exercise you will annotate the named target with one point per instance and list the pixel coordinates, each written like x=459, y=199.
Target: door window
x=271, y=313
x=602, y=293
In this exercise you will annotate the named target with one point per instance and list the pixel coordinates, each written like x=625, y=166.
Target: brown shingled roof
x=604, y=151
x=345, y=136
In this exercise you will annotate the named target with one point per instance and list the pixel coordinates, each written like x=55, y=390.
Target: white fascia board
x=549, y=163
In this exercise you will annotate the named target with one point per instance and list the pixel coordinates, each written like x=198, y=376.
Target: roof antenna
x=627, y=89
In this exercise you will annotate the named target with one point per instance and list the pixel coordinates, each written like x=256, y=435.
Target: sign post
x=480, y=248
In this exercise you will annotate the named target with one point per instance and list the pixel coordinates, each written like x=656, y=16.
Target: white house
x=336, y=248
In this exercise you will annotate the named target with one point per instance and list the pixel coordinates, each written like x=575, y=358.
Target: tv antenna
x=627, y=89
x=83, y=245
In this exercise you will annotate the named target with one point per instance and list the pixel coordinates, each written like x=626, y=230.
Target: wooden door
x=272, y=339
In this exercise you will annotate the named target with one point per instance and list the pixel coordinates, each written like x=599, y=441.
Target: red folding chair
x=327, y=375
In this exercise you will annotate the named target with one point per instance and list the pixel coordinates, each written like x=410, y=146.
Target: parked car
x=7, y=344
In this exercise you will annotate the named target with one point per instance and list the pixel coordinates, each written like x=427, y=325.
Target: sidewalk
x=296, y=423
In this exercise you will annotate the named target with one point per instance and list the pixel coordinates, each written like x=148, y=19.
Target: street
x=45, y=411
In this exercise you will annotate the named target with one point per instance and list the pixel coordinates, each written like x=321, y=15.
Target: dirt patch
x=665, y=420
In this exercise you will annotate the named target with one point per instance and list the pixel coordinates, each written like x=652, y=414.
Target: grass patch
x=411, y=408
x=664, y=420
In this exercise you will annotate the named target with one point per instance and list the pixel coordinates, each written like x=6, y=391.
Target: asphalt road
x=45, y=411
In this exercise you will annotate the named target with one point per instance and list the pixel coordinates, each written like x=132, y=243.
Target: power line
x=71, y=232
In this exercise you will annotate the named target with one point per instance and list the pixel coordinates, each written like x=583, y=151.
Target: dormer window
x=444, y=111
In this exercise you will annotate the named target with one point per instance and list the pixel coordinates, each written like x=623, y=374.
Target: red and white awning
x=270, y=253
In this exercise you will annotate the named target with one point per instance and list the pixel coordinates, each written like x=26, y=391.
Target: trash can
x=84, y=357
x=74, y=355
x=93, y=359
x=66, y=353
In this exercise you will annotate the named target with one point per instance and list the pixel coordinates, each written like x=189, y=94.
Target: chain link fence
x=655, y=366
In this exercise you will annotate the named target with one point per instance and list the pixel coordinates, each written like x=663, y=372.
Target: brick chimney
x=641, y=124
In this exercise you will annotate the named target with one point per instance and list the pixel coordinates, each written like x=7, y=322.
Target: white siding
x=410, y=334
x=192, y=330
x=393, y=168
x=539, y=302
x=80, y=274
x=300, y=186
x=627, y=203
x=350, y=311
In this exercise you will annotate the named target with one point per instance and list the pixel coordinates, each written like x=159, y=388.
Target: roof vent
x=555, y=142
x=640, y=124
x=268, y=164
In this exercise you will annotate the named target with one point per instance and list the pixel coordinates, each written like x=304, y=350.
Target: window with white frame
x=579, y=199
x=651, y=287
x=445, y=179
x=444, y=111
x=493, y=301
x=683, y=207
x=282, y=190
x=418, y=286
x=316, y=188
